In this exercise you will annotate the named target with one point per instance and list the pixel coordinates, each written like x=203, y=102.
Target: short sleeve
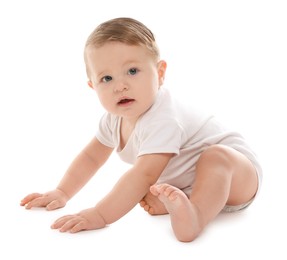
x=160, y=137
x=106, y=130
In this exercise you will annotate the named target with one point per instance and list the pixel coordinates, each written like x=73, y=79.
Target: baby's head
x=124, y=30
x=122, y=63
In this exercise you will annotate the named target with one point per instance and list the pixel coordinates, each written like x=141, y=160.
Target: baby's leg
x=183, y=214
x=223, y=176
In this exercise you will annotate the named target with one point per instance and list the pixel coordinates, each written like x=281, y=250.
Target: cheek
x=104, y=99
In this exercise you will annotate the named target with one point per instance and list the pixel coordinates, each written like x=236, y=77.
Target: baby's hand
x=51, y=200
x=87, y=219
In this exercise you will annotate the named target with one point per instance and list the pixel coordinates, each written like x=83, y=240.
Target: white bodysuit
x=170, y=127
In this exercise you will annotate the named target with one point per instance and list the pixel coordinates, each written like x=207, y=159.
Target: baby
x=183, y=163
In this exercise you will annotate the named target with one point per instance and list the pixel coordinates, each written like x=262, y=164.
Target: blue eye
x=133, y=71
x=107, y=78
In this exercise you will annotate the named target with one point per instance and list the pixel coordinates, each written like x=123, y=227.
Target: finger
x=61, y=221
x=55, y=204
x=78, y=227
x=38, y=202
x=29, y=198
x=73, y=225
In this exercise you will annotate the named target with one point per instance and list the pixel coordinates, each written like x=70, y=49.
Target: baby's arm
x=127, y=192
x=78, y=174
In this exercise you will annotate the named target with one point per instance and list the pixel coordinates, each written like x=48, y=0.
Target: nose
x=120, y=86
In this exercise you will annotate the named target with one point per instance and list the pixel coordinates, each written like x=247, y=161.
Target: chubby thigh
x=181, y=172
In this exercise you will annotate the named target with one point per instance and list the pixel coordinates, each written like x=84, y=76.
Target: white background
x=228, y=57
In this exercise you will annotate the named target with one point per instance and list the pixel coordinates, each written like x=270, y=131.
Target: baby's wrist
x=101, y=220
x=64, y=194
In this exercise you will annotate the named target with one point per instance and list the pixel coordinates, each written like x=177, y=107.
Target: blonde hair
x=125, y=30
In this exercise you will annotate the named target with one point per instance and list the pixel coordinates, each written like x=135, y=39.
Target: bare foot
x=183, y=214
x=153, y=205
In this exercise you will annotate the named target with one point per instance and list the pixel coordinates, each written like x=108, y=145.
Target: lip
x=125, y=101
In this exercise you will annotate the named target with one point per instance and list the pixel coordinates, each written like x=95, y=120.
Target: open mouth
x=125, y=101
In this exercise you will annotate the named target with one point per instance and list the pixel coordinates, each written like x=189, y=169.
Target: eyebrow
x=131, y=61
x=124, y=64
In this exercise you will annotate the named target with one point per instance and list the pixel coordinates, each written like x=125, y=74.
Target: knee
x=217, y=156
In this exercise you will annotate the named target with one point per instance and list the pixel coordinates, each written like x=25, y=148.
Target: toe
x=173, y=195
x=146, y=208
x=142, y=203
x=153, y=190
x=168, y=191
x=151, y=211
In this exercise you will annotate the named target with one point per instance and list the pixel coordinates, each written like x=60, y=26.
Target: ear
x=90, y=84
x=161, y=68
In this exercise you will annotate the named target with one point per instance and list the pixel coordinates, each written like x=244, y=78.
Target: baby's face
x=126, y=78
